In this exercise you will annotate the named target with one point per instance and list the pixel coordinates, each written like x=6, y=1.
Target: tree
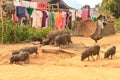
x=115, y=8
x=111, y=7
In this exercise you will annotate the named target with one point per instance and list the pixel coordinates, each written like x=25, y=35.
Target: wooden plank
x=48, y=48
x=56, y=50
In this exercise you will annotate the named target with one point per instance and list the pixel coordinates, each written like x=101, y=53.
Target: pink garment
x=63, y=20
x=84, y=14
x=60, y=21
x=41, y=5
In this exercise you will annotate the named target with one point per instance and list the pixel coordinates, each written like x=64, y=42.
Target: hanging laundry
x=20, y=13
x=41, y=5
x=63, y=20
x=84, y=14
x=44, y=18
x=60, y=21
x=52, y=18
x=15, y=18
x=33, y=5
x=25, y=4
x=49, y=19
x=26, y=0
x=69, y=20
x=67, y=17
x=56, y=18
x=17, y=3
x=30, y=11
x=27, y=17
x=37, y=19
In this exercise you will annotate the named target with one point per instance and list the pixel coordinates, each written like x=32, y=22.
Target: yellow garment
x=56, y=16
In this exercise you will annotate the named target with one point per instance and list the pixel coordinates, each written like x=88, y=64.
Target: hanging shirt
x=30, y=11
x=60, y=21
x=56, y=18
x=20, y=11
x=37, y=19
x=44, y=18
x=63, y=20
x=52, y=18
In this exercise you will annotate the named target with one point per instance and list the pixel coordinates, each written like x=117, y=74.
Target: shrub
x=23, y=32
x=117, y=25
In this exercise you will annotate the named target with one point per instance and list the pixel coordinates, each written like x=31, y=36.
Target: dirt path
x=51, y=66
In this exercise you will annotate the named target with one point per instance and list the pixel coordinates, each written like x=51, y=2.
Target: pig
x=91, y=51
x=110, y=52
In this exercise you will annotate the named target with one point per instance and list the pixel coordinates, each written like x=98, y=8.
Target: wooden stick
x=2, y=20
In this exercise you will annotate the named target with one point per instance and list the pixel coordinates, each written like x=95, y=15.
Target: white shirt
x=37, y=18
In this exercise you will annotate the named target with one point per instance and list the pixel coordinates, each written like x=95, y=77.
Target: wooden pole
x=2, y=20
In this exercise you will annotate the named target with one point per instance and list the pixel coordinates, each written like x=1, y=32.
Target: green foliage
x=8, y=31
x=23, y=32
x=117, y=25
x=115, y=8
x=111, y=7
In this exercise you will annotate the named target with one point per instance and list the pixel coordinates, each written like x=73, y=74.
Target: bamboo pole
x=2, y=20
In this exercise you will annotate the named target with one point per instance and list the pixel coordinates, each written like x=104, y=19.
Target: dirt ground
x=62, y=66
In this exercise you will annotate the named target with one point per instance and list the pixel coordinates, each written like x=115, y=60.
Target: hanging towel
x=17, y=3
x=25, y=4
x=33, y=5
